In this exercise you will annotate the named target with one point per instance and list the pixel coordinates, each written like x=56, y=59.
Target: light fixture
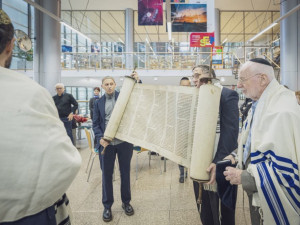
x=169, y=24
x=76, y=31
x=222, y=79
x=263, y=31
x=43, y=10
x=224, y=41
x=121, y=40
x=155, y=78
x=276, y=22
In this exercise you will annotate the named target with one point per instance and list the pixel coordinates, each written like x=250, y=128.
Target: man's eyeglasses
x=59, y=88
x=242, y=80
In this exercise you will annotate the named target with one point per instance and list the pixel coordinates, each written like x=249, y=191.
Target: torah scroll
x=177, y=122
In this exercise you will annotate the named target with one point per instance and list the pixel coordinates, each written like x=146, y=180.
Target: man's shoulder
x=226, y=93
x=14, y=80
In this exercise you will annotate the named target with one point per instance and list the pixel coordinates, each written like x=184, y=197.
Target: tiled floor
x=158, y=198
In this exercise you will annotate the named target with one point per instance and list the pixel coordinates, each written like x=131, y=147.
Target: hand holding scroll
x=135, y=75
x=212, y=170
x=104, y=143
x=233, y=175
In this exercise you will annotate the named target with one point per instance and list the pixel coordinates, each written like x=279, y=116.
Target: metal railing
x=147, y=61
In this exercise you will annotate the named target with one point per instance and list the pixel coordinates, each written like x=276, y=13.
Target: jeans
x=68, y=126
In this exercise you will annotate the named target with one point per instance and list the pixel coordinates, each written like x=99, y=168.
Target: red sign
x=202, y=40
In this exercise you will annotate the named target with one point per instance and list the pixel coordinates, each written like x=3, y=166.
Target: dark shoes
x=107, y=216
x=128, y=209
x=181, y=180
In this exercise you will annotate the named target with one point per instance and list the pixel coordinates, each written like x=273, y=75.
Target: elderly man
x=64, y=102
x=102, y=111
x=269, y=147
x=37, y=159
x=228, y=126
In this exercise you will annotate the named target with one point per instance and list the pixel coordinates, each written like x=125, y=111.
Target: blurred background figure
x=93, y=99
x=66, y=106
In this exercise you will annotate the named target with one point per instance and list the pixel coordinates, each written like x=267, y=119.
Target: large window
x=21, y=15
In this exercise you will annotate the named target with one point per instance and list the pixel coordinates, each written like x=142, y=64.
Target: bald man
x=269, y=147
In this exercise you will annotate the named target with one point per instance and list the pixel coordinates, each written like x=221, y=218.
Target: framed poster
x=179, y=1
x=189, y=17
x=202, y=40
x=217, y=55
x=150, y=12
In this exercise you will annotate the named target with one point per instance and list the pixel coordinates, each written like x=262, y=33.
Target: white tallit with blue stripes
x=275, y=155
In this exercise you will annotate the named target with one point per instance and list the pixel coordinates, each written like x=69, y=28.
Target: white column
x=47, y=51
x=289, y=46
x=129, y=37
x=217, y=27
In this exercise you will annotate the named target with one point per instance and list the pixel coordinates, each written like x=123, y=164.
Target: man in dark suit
x=102, y=111
x=229, y=128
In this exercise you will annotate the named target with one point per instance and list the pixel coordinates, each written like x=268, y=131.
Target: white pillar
x=129, y=37
x=47, y=51
x=217, y=27
x=289, y=46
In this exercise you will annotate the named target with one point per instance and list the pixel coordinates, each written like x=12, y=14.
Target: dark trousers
x=45, y=217
x=209, y=214
x=68, y=126
x=107, y=163
x=181, y=169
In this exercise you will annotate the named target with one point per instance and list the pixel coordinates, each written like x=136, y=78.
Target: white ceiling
x=123, y=4
x=113, y=22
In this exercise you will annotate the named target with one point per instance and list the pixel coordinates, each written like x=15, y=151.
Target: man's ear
x=264, y=80
x=10, y=46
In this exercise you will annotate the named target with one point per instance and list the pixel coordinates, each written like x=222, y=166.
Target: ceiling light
x=121, y=40
x=263, y=31
x=43, y=10
x=224, y=41
x=276, y=40
x=76, y=31
x=277, y=21
x=169, y=24
x=155, y=78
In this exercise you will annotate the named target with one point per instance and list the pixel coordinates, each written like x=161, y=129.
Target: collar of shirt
x=109, y=96
x=254, y=104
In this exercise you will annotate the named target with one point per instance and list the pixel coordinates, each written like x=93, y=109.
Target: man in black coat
x=228, y=127
x=66, y=106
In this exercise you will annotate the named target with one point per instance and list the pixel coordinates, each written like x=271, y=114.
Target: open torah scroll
x=177, y=122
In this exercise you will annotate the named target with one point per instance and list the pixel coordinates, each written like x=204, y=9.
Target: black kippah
x=261, y=61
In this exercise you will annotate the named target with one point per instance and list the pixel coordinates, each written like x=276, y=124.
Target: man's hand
x=233, y=175
x=103, y=142
x=212, y=170
x=70, y=116
x=135, y=76
x=232, y=159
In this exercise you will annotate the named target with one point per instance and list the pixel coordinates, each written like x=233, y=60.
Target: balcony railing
x=147, y=61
